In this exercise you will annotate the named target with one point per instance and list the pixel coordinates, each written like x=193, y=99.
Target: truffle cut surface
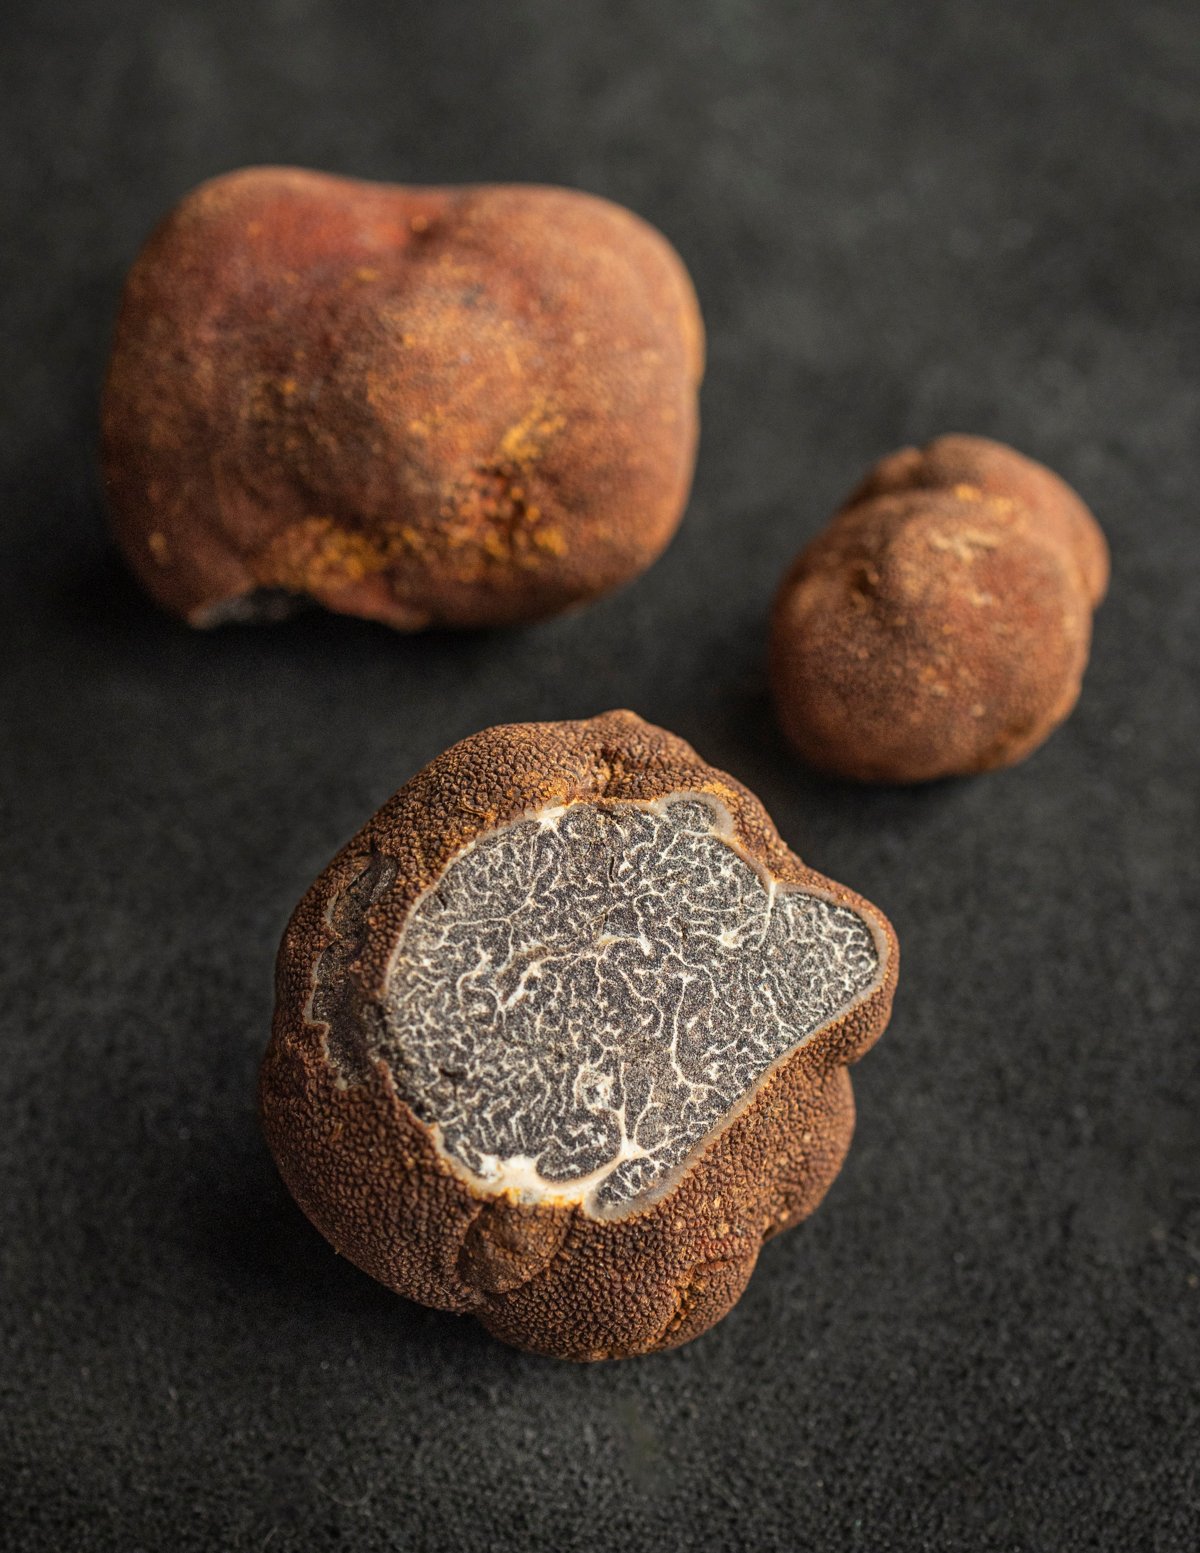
x=586, y=993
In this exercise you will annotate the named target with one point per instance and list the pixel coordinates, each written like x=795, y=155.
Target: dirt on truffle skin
x=368, y=1172
x=940, y=625
x=428, y=406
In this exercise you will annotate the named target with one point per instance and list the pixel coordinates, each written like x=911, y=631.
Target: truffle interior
x=585, y=994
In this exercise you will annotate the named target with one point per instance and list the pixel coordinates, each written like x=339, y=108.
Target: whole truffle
x=940, y=624
x=561, y=1037
x=429, y=406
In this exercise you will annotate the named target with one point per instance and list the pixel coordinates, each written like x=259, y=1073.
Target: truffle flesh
x=587, y=993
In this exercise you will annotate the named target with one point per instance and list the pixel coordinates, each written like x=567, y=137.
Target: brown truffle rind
x=552, y=1277
x=428, y=406
x=940, y=625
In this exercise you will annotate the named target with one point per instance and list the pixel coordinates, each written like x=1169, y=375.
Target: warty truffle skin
x=467, y=406
x=546, y=1276
x=940, y=625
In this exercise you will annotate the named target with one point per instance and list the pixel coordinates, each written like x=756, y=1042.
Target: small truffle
x=940, y=624
x=428, y=406
x=561, y=1037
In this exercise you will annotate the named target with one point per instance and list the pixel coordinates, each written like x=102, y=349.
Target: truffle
x=429, y=406
x=940, y=625
x=561, y=1037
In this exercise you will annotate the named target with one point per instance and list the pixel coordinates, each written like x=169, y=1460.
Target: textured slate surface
x=902, y=219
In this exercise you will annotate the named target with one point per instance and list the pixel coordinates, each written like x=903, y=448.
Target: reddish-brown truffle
x=940, y=624
x=561, y=1037
x=429, y=406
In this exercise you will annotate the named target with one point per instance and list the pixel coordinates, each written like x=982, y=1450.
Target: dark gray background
x=902, y=218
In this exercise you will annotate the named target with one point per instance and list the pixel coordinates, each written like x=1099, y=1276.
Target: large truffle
x=430, y=406
x=941, y=623
x=561, y=1037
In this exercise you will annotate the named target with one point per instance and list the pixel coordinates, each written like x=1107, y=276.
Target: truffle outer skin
x=940, y=625
x=428, y=406
x=549, y=1278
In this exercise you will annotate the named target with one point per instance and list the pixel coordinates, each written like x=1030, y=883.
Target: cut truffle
x=940, y=625
x=561, y=1037
x=429, y=406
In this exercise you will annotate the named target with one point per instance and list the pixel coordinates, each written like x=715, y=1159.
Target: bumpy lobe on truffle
x=941, y=623
x=561, y=1037
x=429, y=406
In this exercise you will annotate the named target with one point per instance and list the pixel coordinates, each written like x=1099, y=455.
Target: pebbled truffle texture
x=428, y=406
x=940, y=625
x=561, y=1037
